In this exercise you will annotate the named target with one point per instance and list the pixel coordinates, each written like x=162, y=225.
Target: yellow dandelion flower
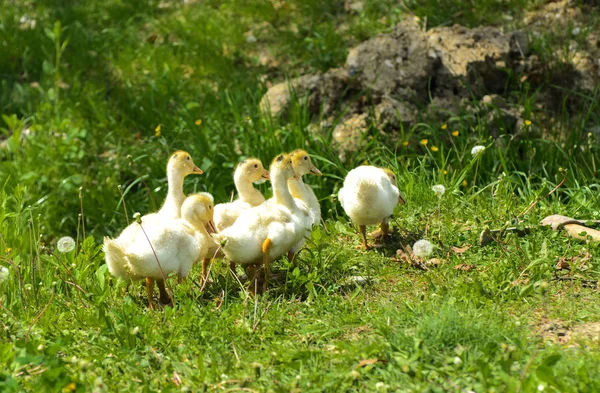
x=157, y=130
x=365, y=162
x=445, y=172
x=527, y=122
x=444, y=126
x=405, y=143
x=7, y=250
x=434, y=148
x=424, y=142
x=198, y=122
x=455, y=133
x=70, y=387
x=465, y=183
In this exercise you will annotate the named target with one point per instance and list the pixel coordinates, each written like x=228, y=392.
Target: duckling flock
x=250, y=230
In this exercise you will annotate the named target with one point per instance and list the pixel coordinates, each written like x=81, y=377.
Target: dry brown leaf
x=563, y=264
x=366, y=362
x=460, y=250
x=465, y=267
x=436, y=261
x=176, y=379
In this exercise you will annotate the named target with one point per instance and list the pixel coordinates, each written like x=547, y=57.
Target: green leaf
x=550, y=361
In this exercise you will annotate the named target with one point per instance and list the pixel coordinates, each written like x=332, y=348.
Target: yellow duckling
x=179, y=166
x=247, y=172
x=302, y=192
x=369, y=196
x=265, y=232
x=177, y=244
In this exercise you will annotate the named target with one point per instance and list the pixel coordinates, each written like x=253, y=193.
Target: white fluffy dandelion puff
x=422, y=248
x=65, y=244
x=477, y=150
x=3, y=273
x=439, y=190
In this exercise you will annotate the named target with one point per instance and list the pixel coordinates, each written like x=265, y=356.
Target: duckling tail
x=116, y=258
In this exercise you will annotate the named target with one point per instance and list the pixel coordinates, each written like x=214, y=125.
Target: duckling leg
x=164, y=295
x=291, y=255
x=266, y=247
x=149, y=290
x=205, y=262
x=363, y=233
x=385, y=229
x=381, y=233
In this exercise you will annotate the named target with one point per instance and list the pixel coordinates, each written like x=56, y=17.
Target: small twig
x=162, y=273
x=525, y=370
x=212, y=261
x=235, y=352
x=38, y=317
x=538, y=199
x=81, y=208
x=584, y=282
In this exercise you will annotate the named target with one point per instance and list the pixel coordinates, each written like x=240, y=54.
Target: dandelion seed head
x=439, y=189
x=457, y=360
x=541, y=388
x=3, y=273
x=422, y=248
x=65, y=244
x=477, y=150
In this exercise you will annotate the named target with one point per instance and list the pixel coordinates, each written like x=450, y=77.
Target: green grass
x=82, y=94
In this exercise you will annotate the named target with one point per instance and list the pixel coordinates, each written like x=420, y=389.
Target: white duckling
x=247, y=172
x=265, y=232
x=369, y=196
x=180, y=165
x=302, y=192
x=177, y=244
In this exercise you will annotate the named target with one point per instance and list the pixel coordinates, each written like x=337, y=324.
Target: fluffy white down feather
x=368, y=196
x=177, y=246
x=244, y=239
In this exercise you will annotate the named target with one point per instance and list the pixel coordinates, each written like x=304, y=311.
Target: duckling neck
x=297, y=188
x=246, y=191
x=281, y=192
x=175, y=196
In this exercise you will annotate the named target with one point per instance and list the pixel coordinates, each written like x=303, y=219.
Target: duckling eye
x=188, y=158
x=209, y=207
x=305, y=158
x=256, y=165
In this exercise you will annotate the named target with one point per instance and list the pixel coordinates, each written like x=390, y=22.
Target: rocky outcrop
x=410, y=72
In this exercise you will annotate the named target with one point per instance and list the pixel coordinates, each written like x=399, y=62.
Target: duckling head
x=283, y=164
x=252, y=169
x=303, y=164
x=394, y=181
x=198, y=210
x=181, y=163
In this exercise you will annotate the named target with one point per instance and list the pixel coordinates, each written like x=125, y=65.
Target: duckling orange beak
x=210, y=227
x=197, y=170
x=315, y=171
x=266, y=175
x=401, y=200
